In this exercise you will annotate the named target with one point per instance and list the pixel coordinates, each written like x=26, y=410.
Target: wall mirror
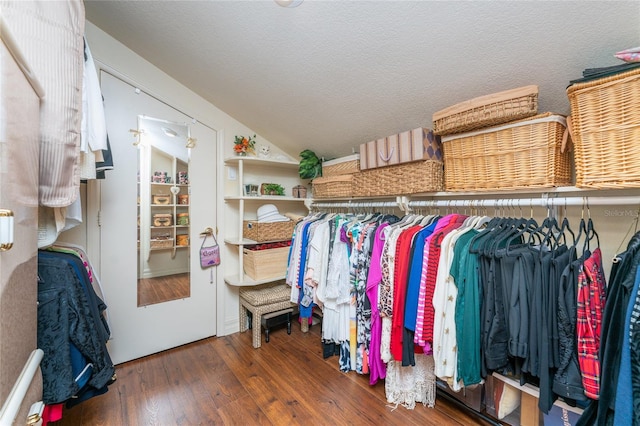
x=164, y=149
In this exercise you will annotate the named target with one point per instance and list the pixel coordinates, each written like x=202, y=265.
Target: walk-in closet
x=319, y=212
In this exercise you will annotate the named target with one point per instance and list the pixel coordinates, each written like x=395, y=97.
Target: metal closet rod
x=355, y=204
x=529, y=202
x=403, y=203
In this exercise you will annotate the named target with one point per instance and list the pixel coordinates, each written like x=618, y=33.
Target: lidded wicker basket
x=519, y=155
x=341, y=166
x=605, y=126
x=488, y=110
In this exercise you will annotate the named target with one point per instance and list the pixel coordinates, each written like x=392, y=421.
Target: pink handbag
x=210, y=255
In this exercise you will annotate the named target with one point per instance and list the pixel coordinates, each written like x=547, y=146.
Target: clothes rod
x=330, y=205
x=530, y=202
x=545, y=201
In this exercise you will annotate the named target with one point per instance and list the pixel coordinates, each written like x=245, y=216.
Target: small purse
x=210, y=255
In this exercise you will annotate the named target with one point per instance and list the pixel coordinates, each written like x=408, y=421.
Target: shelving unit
x=163, y=217
x=239, y=198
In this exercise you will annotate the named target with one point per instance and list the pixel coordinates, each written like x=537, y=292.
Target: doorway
x=140, y=329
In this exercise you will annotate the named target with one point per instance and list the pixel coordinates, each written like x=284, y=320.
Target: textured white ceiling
x=329, y=75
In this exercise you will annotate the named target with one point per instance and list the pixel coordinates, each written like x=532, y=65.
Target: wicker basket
x=488, y=110
x=333, y=187
x=605, y=116
x=341, y=166
x=164, y=243
x=267, y=231
x=519, y=155
x=266, y=264
x=400, y=179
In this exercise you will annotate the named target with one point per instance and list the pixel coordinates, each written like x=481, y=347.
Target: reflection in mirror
x=163, y=211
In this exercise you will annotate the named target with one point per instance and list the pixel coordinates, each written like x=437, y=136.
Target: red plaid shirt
x=591, y=299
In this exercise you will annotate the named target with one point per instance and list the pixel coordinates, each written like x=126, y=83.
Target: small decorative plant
x=243, y=145
x=272, y=189
x=310, y=165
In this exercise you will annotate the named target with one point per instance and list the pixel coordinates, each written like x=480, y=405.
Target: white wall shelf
x=288, y=167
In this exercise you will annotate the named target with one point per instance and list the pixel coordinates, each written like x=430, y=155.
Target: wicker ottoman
x=259, y=301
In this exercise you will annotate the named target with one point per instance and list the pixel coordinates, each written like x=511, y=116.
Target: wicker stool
x=259, y=301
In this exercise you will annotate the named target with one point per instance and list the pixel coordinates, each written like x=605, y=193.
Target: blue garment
x=414, y=276
x=623, y=414
x=305, y=311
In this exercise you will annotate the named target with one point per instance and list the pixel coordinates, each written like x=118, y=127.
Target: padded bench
x=260, y=301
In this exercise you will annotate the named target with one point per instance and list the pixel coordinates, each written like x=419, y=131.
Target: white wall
x=112, y=55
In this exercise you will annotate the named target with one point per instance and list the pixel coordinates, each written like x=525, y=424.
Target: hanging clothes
x=72, y=331
x=621, y=283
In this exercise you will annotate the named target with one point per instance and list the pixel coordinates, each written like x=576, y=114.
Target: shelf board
x=168, y=184
x=534, y=391
x=234, y=280
x=263, y=198
x=248, y=242
x=264, y=161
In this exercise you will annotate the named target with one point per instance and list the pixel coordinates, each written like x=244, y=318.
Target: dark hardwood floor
x=226, y=381
x=163, y=289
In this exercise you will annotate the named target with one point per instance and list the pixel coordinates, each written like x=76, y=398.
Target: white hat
x=269, y=213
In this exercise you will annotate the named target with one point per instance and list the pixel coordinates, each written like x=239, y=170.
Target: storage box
x=333, y=187
x=341, y=166
x=182, y=178
x=163, y=243
x=265, y=264
x=413, y=145
x=161, y=199
x=401, y=179
x=605, y=117
x=162, y=219
x=562, y=416
x=299, y=191
x=182, y=219
x=519, y=155
x=486, y=111
x=471, y=396
x=183, y=199
x=182, y=240
x=267, y=231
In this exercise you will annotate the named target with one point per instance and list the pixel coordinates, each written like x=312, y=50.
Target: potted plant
x=243, y=146
x=272, y=189
x=310, y=165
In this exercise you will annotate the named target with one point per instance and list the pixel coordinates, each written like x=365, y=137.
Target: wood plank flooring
x=163, y=289
x=226, y=381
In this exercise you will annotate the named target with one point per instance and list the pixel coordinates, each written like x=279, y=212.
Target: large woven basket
x=268, y=231
x=605, y=117
x=519, y=155
x=400, y=179
x=488, y=110
x=333, y=187
x=341, y=166
x=265, y=264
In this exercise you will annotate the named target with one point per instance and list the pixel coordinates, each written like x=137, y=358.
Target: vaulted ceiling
x=329, y=75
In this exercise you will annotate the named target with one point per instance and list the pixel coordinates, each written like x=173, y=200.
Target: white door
x=139, y=331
